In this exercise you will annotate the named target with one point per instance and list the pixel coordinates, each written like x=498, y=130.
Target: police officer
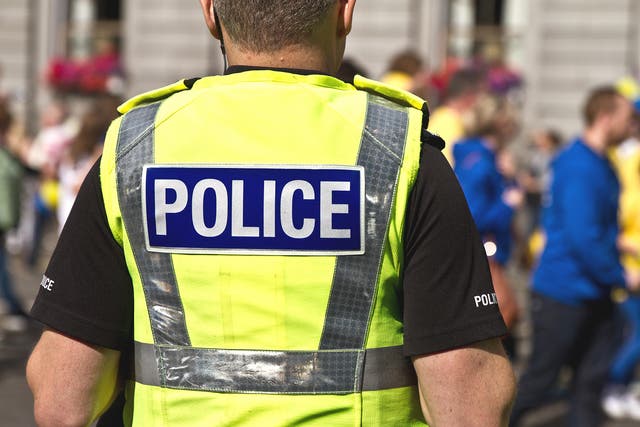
x=271, y=247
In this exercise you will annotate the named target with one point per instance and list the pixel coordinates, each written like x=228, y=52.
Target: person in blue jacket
x=572, y=313
x=491, y=193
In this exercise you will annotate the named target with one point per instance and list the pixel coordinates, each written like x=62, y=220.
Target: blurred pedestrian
x=408, y=71
x=502, y=80
x=572, y=314
x=451, y=120
x=534, y=177
x=10, y=192
x=44, y=154
x=322, y=270
x=402, y=70
x=83, y=151
x=620, y=398
x=485, y=172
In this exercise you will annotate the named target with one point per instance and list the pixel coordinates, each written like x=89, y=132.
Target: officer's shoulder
x=391, y=93
x=156, y=95
x=403, y=98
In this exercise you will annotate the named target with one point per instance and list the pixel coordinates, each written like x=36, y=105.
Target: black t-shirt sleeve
x=446, y=272
x=86, y=292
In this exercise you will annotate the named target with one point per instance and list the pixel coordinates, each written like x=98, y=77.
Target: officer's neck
x=295, y=57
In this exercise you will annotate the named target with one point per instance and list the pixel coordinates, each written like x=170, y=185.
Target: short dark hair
x=463, y=82
x=6, y=117
x=601, y=100
x=270, y=25
x=555, y=137
x=408, y=62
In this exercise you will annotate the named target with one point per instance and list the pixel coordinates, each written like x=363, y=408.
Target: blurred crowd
x=476, y=107
x=563, y=211
x=40, y=175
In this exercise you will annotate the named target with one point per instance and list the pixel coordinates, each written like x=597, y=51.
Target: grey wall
x=14, y=50
x=570, y=46
x=573, y=46
x=166, y=40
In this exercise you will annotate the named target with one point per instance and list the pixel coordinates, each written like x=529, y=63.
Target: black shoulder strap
x=432, y=139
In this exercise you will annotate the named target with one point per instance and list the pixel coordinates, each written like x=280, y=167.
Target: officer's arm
x=469, y=386
x=72, y=382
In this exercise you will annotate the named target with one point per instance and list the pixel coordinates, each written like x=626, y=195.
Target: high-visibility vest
x=259, y=335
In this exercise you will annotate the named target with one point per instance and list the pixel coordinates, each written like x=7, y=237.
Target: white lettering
x=197, y=208
x=286, y=209
x=485, y=299
x=269, y=209
x=47, y=283
x=238, y=228
x=328, y=209
x=225, y=215
x=162, y=207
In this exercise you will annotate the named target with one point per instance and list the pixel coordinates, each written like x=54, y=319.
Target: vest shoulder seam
x=156, y=95
x=390, y=93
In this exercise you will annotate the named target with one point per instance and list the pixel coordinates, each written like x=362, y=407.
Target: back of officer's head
x=271, y=25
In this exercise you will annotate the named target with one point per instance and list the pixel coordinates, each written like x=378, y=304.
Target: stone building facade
x=562, y=47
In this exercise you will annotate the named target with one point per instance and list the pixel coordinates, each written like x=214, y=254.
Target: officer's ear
x=345, y=17
x=209, y=17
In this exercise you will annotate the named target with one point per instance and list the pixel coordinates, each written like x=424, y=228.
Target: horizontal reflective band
x=276, y=372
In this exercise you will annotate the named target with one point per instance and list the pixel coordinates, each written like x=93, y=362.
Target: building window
x=108, y=10
x=489, y=13
x=92, y=58
x=475, y=24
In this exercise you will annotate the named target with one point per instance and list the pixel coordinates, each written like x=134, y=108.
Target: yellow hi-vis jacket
x=261, y=217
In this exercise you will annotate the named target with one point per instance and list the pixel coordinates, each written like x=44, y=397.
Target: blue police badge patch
x=258, y=209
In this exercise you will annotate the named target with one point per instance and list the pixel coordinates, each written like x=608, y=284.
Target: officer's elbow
x=58, y=412
x=46, y=415
x=498, y=400
x=51, y=408
x=508, y=397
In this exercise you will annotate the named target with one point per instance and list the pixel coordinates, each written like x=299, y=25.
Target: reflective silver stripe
x=277, y=372
x=135, y=149
x=355, y=277
x=386, y=368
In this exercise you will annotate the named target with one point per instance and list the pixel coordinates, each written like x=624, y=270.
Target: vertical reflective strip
x=355, y=277
x=135, y=149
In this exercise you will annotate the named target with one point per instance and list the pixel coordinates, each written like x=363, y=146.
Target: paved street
x=16, y=401
x=15, y=398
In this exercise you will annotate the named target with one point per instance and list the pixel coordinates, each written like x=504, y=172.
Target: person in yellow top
x=627, y=161
x=619, y=400
x=403, y=70
x=451, y=119
x=271, y=247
